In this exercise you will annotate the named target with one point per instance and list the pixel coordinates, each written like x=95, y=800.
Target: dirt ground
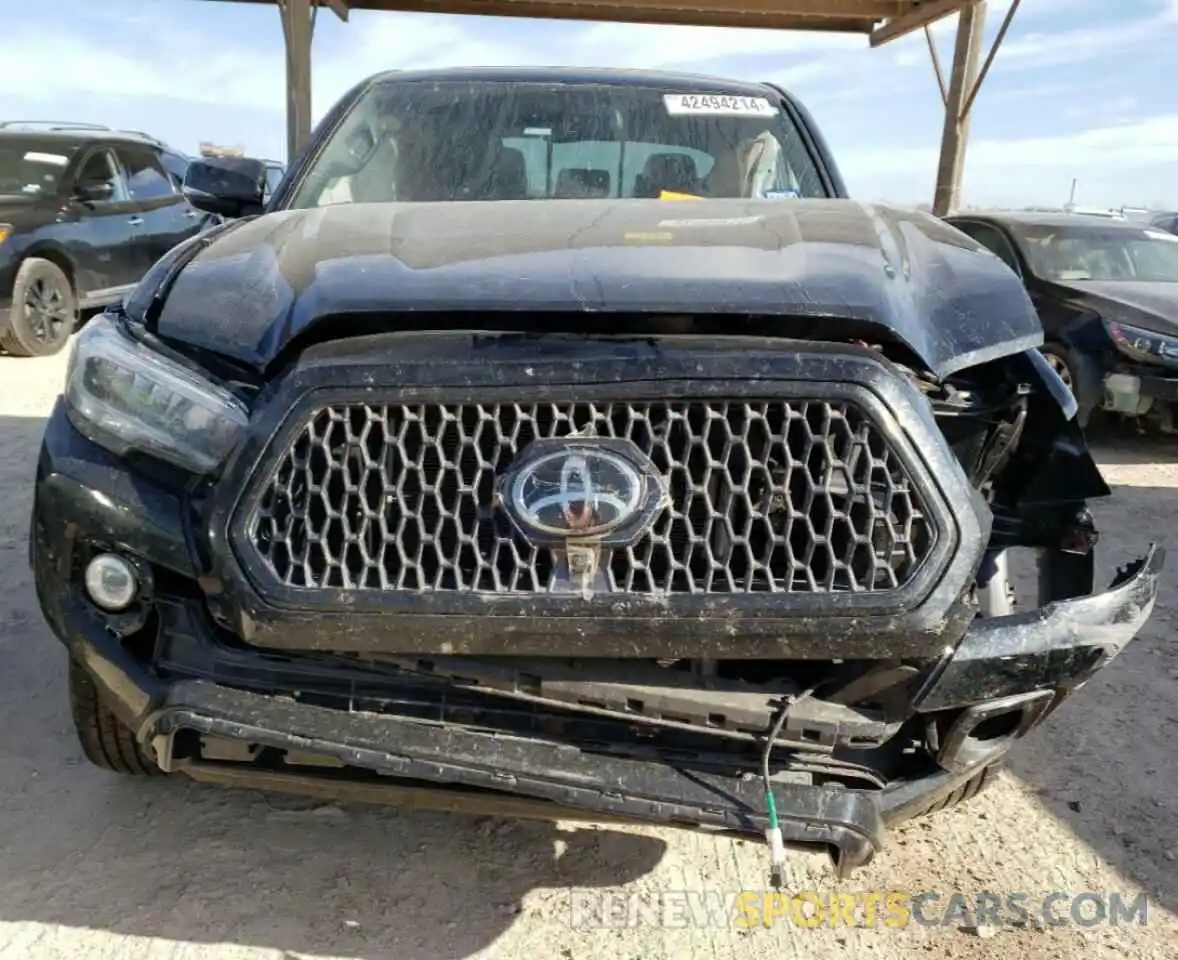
x=96, y=866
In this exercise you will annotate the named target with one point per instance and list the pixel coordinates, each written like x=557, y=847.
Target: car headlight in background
x=1144, y=345
x=126, y=396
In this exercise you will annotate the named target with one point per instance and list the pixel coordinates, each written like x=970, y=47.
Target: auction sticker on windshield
x=718, y=105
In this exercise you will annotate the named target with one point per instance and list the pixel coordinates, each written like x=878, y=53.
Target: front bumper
x=1023, y=664
x=1035, y=659
x=1160, y=388
x=1136, y=389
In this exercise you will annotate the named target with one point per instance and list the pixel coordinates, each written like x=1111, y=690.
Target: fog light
x=111, y=582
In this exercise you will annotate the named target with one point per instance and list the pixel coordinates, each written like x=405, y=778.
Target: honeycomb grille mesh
x=773, y=496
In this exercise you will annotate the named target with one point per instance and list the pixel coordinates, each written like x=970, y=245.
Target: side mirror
x=94, y=191
x=227, y=186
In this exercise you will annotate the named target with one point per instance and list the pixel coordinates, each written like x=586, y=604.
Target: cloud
x=203, y=68
x=1108, y=158
x=1053, y=40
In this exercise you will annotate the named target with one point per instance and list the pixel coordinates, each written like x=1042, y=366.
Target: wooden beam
x=858, y=16
x=936, y=59
x=916, y=18
x=714, y=13
x=973, y=94
x=966, y=55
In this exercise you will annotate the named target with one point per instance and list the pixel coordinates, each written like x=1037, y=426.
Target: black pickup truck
x=559, y=441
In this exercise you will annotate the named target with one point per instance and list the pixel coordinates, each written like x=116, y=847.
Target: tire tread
x=13, y=340
x=105, y=741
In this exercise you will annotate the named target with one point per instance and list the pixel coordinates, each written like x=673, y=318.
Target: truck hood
x=902, y=275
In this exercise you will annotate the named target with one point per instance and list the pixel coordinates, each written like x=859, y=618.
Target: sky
x=1081, y=89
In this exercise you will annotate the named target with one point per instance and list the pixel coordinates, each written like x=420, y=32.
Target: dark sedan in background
x=1107, y=294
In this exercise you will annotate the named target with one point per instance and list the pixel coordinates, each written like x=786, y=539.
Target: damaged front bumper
x=1021, y=665
x=183, y=674
x=1031, y=660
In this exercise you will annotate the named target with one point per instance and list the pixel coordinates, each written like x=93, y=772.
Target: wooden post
x=966, y=56
x=297, y=25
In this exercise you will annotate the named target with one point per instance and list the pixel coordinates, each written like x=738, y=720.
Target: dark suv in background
x=1166, y=221
x=84, y=211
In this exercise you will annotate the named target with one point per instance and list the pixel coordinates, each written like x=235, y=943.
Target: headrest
x=455, y=173
x=508, y=175
x=578, y=182
x=668, y=171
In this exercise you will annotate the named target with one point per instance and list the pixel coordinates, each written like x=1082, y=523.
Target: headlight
x=1144, y=345
x=5, y=231
x=125, y=396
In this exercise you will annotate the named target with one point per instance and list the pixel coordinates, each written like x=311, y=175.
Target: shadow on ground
x=192, y=864
x=1103, y=764
x=167, y=858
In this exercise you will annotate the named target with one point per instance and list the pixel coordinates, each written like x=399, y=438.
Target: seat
x=675, y=172
x=581, y=183
x=456, y=172
x=507, y=178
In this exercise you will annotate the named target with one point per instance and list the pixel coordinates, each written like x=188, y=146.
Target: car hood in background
x=1151, y=306
x=904, y=274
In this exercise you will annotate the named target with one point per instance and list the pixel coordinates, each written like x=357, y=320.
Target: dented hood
x=904, y=274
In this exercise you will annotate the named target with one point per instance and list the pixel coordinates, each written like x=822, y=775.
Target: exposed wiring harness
x=773, y=829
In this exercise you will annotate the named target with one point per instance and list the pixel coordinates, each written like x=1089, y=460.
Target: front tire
x=980, y=781
x=105, y=741
x=44, y=310
x=1075, y=372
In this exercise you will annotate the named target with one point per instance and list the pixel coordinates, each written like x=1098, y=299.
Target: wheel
x=966, y=792
x=44, y=310
x=1060, y=360
x=1077, y=376
x=105, y=741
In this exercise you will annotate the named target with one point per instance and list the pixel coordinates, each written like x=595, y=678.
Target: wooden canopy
x=882, y=20
x=879, y=21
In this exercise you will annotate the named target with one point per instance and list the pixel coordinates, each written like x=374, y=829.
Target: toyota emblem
x=576, y=489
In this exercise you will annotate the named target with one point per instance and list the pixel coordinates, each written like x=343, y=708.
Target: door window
x=993, y=239
x=100, y=171
x=146, y=177
x=176, y=165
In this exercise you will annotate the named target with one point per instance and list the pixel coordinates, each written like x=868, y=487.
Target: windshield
x=1095, y=253
x=28, y=170
x=486, y=140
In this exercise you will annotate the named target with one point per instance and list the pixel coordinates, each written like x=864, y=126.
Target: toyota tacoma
x=568, y=443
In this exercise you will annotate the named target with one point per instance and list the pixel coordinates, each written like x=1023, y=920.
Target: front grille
x=769, y=496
